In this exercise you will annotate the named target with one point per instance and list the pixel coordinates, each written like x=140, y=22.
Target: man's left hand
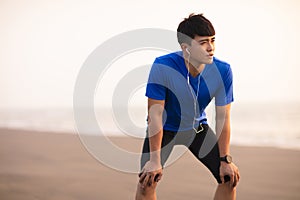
x=230, y=170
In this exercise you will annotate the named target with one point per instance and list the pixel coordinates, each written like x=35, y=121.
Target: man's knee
x=147, y=191
x=227, y=187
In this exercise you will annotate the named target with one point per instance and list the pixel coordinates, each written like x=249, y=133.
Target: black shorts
x=203, y=145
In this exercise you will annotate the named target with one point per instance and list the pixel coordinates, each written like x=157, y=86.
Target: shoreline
x=120, y=135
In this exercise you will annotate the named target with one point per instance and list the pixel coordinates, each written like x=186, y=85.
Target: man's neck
x=194, y=71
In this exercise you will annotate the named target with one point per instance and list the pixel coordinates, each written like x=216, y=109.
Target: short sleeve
x=155, y=88
x=224, y=93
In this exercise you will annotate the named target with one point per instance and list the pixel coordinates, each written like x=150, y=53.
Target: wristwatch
x=227, y=159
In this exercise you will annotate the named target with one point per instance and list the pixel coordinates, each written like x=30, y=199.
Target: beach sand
x=40, y=165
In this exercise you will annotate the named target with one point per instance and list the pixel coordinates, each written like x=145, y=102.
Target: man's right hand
x=151, y=173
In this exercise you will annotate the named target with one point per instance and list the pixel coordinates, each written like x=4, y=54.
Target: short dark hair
x=192, y=26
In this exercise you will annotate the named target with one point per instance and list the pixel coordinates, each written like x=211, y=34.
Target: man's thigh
x=168, y=142
x=205, y=148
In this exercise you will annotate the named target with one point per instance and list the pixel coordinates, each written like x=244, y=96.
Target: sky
x=45, y=43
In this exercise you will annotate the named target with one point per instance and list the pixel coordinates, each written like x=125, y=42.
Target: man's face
x=202, y=49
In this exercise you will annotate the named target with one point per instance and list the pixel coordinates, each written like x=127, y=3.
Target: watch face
x=228, y=159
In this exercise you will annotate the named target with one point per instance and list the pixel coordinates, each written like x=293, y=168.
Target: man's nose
x=210, y=47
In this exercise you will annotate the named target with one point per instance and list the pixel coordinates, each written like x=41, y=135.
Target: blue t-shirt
x=168, y=81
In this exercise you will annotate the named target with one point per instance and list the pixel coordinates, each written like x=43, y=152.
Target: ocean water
x=253, y=124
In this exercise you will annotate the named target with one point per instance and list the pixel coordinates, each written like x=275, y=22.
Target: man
x=180, y=86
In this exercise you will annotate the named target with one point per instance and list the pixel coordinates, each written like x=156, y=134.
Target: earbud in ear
x=187, y=50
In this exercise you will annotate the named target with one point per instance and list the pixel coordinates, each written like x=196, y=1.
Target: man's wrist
x=226, y=159
x=155, y=156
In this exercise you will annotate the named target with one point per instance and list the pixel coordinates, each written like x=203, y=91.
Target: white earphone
x=195, y=97
x=187, y=50
x=188, y=78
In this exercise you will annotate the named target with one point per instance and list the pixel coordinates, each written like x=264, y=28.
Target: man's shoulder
x=222, y=66
x=169, y=58
x=218, y=67
x=221, y=63
x=169, y=65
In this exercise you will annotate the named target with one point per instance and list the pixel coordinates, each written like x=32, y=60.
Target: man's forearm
x=223, y=129
x=155, y=145
x=155, y=135
x=223, y=133
x=155, y=128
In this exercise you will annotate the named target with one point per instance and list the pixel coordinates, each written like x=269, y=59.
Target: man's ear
x=184, y=46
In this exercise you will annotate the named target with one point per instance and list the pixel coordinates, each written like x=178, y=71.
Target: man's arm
x=152, y=170
x=223, y=128
x=223, y=133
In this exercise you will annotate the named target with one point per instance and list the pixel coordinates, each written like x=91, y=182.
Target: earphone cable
x=195, y=98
